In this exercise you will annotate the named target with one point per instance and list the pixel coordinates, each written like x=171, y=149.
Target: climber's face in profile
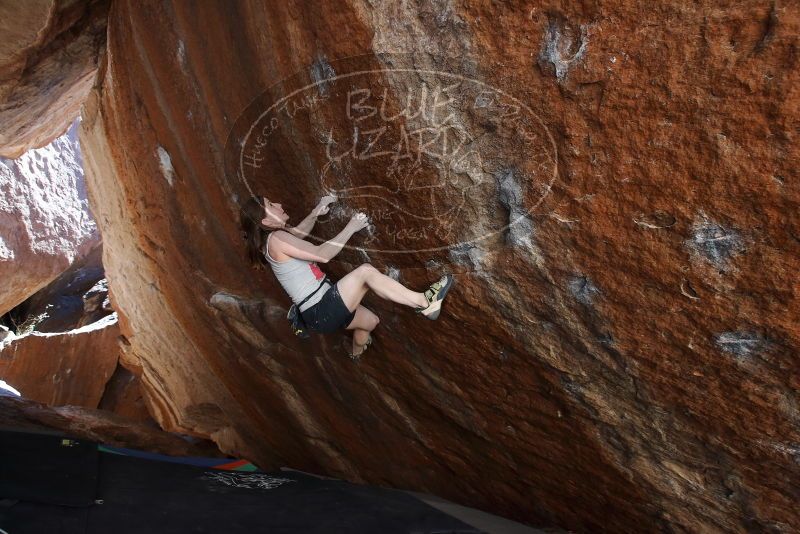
x=274, y=216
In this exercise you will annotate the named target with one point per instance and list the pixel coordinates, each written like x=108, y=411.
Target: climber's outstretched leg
x=355, y=284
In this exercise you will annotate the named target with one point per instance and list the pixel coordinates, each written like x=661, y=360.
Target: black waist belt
x=326, y=279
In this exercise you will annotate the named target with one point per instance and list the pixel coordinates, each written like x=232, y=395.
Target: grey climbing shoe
x=435, y=295
x=363, y=350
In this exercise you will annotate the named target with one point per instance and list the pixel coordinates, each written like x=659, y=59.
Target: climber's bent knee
x=365, y=268
x=364, y=319
x=353, y=286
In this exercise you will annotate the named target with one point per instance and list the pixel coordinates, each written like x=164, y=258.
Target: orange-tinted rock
x=48, y=60
x=63, y=368
x=76, y=298
x=620, y=354
x=123, y=396
x=99, y=426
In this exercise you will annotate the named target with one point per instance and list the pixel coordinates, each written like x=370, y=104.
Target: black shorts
x=329, y=314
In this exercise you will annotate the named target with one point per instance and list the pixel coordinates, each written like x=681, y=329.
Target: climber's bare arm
x=294, y=247
x=302, y=230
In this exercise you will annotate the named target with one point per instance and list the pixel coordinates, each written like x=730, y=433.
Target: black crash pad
x=47, y=468
x=136, y=495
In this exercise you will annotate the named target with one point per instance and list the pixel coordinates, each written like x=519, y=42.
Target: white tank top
x=298, y=277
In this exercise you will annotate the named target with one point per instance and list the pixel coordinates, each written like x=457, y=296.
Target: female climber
x=294, y=262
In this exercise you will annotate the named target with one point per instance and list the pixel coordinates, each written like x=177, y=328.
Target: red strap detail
x=318, y=274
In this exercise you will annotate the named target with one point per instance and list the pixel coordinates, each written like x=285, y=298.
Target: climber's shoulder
x=292, y=246
x=277, y=245
x=278, y=234
x=283, y=237
x=285, y=241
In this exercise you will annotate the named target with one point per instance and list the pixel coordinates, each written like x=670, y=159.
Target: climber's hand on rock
x=322, y=206
x=358, y=221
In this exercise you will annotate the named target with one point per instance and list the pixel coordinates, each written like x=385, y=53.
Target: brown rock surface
x=123, y=396
x=80, y=367
x=63, y=368
x=76, y=298
x=622, y=356
x=48, y=59
x=99, y=426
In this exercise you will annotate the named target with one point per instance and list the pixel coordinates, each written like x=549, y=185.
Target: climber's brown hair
x=254, y=233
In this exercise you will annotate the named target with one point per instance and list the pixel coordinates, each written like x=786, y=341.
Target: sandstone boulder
x=76, y=298
x=123, y=396
x=63, y=368
x=620, y=350
x=45, y=221
x=48, y=60
x=99, y=426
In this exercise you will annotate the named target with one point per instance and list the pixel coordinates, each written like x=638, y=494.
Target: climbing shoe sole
x=435, y=307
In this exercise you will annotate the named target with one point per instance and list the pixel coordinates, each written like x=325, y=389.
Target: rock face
x=99, y=426
x=48, y=60
x=63, y=368
x=76, y=298
x=45, y=222
x=79, y=367
x=123, y=396
x=620, y=350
